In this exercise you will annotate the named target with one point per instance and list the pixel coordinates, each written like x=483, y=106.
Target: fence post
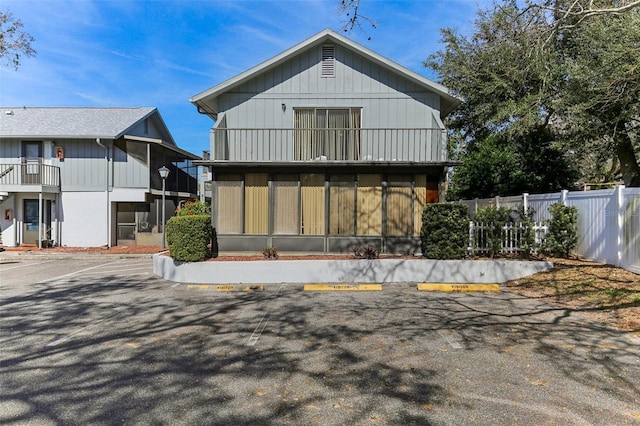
x=525, y=202
x=619, y=223
x=563, y=197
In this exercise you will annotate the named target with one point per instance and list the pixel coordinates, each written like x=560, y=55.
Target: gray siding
x=10, y=151
x=131, y=171
x=387, y=99
x=84, y=166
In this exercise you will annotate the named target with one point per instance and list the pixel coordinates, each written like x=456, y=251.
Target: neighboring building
x=325, y=146
x=88, y=176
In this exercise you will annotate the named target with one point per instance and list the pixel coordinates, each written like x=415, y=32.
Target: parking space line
x=23, y=265
x=253, y=339
x=70, y=274
x=448, y=336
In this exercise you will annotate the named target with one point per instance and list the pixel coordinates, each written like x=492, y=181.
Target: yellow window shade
x=256, y=204
x=369, y=211
x=312, y=215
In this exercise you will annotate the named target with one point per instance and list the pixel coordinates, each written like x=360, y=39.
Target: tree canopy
x=565, y=74
x=14, y=41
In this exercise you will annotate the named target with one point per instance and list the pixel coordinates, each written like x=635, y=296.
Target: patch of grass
x=581, y=287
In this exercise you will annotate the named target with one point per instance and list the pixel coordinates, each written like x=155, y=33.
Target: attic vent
x=328, y=60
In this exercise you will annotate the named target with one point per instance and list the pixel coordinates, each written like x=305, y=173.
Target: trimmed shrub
x=189, y=237
x=445, y=231
x=562, y=235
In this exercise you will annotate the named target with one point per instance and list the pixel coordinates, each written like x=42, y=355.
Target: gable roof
x=73, y=123
x=207, y=101
x=84, y=123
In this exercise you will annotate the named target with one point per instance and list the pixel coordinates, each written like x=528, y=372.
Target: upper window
x=328, y=60
x=327, y=134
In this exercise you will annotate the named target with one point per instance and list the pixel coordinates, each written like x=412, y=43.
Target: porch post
x=40, y=220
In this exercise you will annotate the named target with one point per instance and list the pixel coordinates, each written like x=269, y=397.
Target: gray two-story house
x=325, y=146
x=88, y=177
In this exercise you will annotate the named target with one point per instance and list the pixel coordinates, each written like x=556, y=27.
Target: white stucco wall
x=84, y=219
x=8, y=226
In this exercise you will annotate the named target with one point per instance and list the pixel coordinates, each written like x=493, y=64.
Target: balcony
x=427, y=145
x=28, y=177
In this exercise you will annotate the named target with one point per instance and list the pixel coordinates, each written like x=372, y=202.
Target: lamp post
x=164, y=173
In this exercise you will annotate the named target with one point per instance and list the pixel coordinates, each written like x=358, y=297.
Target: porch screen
x=327, y=134
x=256, y=204
x=399, y=206
x=229, y=204
x=285, y=205
x=369, y=211
x=420, y=190
x=342, y=205
x=312, y=211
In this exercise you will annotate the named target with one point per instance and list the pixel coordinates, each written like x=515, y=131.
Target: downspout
x=106, y=157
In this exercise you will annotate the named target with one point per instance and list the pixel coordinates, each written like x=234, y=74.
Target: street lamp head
x=164, y=172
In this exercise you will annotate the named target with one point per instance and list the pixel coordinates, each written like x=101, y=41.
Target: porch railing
x=344, y=144
x=29, y=174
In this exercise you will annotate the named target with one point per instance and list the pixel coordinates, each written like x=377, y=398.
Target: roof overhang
x=316, y=165
x=162, y=144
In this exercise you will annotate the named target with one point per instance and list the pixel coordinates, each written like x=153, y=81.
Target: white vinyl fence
x=608, y=221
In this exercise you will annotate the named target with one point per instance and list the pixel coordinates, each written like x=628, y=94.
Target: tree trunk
x=628, y=160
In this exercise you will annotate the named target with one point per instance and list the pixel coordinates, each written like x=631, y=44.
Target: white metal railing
x=29, y=174
x=345, y=144
x=512, y=238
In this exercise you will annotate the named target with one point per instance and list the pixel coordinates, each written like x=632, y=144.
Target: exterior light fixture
x=164, y=173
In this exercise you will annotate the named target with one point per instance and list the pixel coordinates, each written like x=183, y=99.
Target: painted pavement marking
x=226, y=287
x=450, y=338
x=253, y=339
x=22, y=265
x=342, y=287
x=457, y=288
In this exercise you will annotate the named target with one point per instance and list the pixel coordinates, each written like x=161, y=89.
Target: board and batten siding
x=85, y=168
x=10, y=151
x=128, y=171
x=387, y=99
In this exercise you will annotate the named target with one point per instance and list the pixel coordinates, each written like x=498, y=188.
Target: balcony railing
x=374, y=145
x=29, y=174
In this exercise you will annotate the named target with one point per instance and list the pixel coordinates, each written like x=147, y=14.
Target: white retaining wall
x=346, y=271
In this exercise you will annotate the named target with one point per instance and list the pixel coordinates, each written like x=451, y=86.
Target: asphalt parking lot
x=102, y=340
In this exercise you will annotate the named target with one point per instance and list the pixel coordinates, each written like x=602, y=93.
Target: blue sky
x=110, y=53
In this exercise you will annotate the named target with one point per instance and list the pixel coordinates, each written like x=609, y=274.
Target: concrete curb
x=346, y=271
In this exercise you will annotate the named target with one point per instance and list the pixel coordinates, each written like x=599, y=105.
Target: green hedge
x=445, y=231
x=189, y=237
x=562, y=235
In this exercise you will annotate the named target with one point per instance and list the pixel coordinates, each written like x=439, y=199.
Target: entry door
x=31, y=162
x=30, y=225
